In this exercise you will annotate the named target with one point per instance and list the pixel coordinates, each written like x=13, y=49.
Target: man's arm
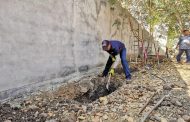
x=178, y=43
x=108, y=66
x=177, y=46
x=115, y=64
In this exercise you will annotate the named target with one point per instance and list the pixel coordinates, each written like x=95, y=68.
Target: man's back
x=184, y=42
x=117, y=46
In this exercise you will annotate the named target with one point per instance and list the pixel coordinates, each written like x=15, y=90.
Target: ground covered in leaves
x=88, y=100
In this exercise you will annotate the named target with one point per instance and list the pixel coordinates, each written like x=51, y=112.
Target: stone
x=178, y=103
x=164, y=120
x=127, y=118
x=165, y=103
x=113, y=110
x=81, y=117
x=85, y=85
x=120, y=107
x=36, y=114
x=51, y=120
x=103, y=100
x=84, y=108
x=7, y=121
x=167, y=87
x=68, y=120
x=105, y=117
x=69, y=117
x=44, y=115
x=83, y=68
x=157, y=118
x=180, y=120
x=33, y=107
x=83, y=89
x=96, y=119
x=173, y=120
x=124, y=118
x=28, y=102
x=38, y=99
x=15, y=106
x=99, y=114
x=14, y=112
x=130, y=119
x=186, y=118
x=50, y=114
x=179, y=112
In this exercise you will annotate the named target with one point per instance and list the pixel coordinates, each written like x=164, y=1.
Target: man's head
x=106, y=46
x=186, y=32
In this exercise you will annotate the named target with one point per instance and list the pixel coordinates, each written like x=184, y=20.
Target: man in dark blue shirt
x=115, y=48
x=184, y=46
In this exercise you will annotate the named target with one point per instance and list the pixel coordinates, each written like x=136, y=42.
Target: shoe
x=180, y=62
x=128, y=80
x=188, y=63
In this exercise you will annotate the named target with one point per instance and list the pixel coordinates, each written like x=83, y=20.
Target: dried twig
x=147, y=115
x=159, y=77
x=147, y=103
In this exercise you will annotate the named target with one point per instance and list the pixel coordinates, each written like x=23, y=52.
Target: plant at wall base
x=117, y=23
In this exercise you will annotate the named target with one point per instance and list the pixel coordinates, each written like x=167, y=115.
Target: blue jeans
x=181, y=51
x=124, y=64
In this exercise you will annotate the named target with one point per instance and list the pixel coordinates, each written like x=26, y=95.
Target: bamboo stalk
x=147, y=115
x=147, y=103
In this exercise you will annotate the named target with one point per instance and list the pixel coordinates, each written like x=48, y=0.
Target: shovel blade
x=108, y=83
x=107, y=86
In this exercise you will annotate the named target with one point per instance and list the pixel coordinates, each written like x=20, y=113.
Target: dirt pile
x=88, y=100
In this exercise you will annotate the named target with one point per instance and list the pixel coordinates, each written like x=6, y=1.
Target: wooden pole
x=147, y=103
x=147, y=115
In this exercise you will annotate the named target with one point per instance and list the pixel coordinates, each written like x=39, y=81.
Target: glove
x=111, y=72
x=113, y=58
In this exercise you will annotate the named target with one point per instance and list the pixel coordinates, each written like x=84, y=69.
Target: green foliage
x=173, y=13
x=117, y=23
x=112, y=2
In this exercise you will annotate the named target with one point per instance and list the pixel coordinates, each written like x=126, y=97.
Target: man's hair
x=105, y=43
x=185, y=30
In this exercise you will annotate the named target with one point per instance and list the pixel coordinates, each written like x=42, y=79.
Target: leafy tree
x=172, y=13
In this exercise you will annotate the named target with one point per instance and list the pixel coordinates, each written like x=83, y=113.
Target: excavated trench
x=99, y=87
x=88, y=89
x=95, y=94
x=68, y=96
x=91, y=88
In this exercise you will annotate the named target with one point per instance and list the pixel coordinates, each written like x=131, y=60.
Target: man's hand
x=177, y=47
x=112, y=72
x=113, y=58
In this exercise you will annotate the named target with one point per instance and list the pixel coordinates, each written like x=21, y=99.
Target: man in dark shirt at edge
x=115, y=49
x=184, y=46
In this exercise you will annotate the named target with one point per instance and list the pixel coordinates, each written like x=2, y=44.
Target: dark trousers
x=124, y=64
x=181, y=51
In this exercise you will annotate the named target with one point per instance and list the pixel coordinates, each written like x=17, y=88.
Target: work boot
x=128, y=80
x=180, y=62
x=188, y=63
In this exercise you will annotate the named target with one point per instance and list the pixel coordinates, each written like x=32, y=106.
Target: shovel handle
x=108, y=83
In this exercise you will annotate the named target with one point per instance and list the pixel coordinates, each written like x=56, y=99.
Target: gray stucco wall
x=41, y=40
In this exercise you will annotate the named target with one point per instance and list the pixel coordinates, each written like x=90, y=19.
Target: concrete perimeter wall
x=42, y=40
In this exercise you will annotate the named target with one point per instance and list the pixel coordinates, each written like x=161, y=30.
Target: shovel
x=108, y=83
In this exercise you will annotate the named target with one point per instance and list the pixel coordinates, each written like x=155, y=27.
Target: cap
x=105, y=43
